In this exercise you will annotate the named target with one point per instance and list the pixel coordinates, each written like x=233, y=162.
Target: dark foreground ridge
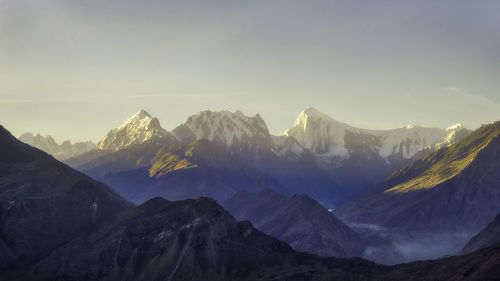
x=58, y=224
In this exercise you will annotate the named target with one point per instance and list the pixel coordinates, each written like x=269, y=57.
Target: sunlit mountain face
x=249, y=140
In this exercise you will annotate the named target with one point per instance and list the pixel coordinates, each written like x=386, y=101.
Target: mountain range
x=455, y=189
x=221, y=153
x=325, y=159
x=59, y=224
x=61, y=151
x=327, y=138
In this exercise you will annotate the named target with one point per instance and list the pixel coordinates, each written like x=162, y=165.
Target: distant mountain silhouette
x=61, y=151
x=298, y=220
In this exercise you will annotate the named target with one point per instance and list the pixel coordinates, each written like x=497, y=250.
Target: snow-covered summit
x=141, y=119
x=319, y=132
x=455, y=127
x=224, y=127
x=140, y=127
x=326, y=137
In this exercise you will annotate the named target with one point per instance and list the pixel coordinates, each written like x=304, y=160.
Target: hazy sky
x=75, y=69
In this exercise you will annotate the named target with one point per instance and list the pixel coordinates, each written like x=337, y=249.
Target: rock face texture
x=228, y=128
x=455, y=189
x=298, y=220
x=44, y=203
x=58, y=224
x=487, y=237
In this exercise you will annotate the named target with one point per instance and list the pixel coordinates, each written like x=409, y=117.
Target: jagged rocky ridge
x=61, y=151
x=139, y=128
x=77, y=229
x=326, y=137
x=228, y=128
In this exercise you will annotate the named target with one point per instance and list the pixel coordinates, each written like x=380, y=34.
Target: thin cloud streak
x=10, y=101
x=473, y=96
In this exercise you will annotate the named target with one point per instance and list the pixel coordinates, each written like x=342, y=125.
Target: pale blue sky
x=75, y=69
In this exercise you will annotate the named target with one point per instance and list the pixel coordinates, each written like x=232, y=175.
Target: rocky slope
x=487, y=237
x=44, y=203
x=58, y=224
x=198, y=240
x=60, y=151
x=455, y=189
x=298, y=220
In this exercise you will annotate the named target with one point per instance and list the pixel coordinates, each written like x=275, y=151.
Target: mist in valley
x=392, y=246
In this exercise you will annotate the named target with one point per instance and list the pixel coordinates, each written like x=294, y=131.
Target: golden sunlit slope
x=201, y=153
x=443, y=164
x=455, y=189
x=177, y=171
x=169, y=161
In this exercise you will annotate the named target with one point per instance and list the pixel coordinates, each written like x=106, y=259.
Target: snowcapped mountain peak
x=311, y=111
x=138, y=128
x=320, y=133
x=224, y=127
x=311, y=115
x=455, y=127
x=141, y=118
x=333, y=140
